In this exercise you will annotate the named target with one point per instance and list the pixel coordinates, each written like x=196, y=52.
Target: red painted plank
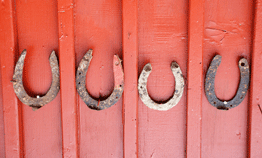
x=37, y=28
x=228, y=26
x=67, y=78
x=12, y=111
x=162, y=37
x=195, y=79
x=2, y=131
x=255, y=112
x=130, y=52
x=98, y=26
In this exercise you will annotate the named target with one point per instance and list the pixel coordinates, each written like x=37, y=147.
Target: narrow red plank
x=195, y=79
x=67, y=78
x=8, y=41
x=2, y=130
x=255, y=110
x=130, y=53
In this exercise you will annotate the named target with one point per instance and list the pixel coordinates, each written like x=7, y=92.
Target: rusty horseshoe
x=20, y=92
x=179, y=88
x=242, y=88
x=81, y=83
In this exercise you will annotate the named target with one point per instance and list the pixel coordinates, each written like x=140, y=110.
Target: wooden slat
x=130, y=55
x=8, y=41
x=2, y=131
x=98, y=26
x=195, y=79
x=162, y=36
x=228, y=27
x=67, y=78
x=255, y=111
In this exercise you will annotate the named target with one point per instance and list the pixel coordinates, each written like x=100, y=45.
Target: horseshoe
x=81, y=83
x=242, y=88
x=20, y=92
x=179, y=88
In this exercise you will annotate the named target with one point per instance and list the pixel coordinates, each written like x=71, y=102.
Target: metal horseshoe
x=20, y=92
x=179, y=88
x=242, y=88
x=81, y=83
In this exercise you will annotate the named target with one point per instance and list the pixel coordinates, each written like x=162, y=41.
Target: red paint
x=2, y=131
x=154, y=31
x=255, y=114
x=98, y=26
x=37, y=30
x=11, y=108
x=162, y=36
x=130, y=53
x=227, y=31
x=67, y=64
x=195, y=79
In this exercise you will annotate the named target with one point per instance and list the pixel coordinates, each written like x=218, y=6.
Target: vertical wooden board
x=255, y=126
x=2, y=136
x=194, y=77
x=130, y=95
x=11, y=109
x=162, y=36
x=98, y=26
x=69, y=106
x=38, y=33
x=228, y=26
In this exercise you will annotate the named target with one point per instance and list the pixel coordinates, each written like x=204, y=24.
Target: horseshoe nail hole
x=231, y=106
x=215, y=102
x=243, y=64
x=141, y=87
x=78, y=82
x=79, y=73
x=116, y=97
x=174, y=65
x=148, y=68
x=241, y=97
x=120, y=85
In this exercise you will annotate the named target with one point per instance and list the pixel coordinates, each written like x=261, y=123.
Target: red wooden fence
x=139, y=31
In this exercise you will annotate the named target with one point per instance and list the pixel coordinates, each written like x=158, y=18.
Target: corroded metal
x=242, y=88
x=179, y=88
x=20, y=92
x=81, y=84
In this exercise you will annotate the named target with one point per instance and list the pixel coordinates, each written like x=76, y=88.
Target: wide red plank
x=162, y=36
x=195, y=79
x=67, y=78
x=98, y=26
x=37, y=30
x=228, y=26
x=255, y=111
x=130, y=53
x=11, y=108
